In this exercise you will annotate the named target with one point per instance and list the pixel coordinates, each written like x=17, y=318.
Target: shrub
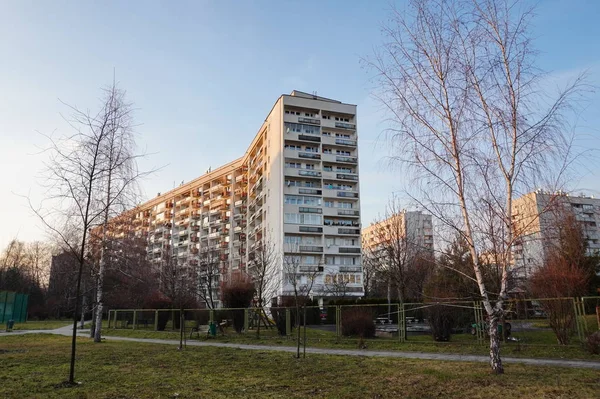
x=238, y=294
x=441, y=321
x=358, y=322
x=592, y=343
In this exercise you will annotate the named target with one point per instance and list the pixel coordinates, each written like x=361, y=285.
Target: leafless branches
x=470, y=121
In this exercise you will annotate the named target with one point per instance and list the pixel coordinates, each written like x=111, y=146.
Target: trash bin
x=9, y=325
x=212, y=329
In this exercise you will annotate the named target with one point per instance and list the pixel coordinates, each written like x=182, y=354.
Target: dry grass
x=33, y=366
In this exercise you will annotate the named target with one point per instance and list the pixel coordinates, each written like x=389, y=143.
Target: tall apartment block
x=413, y=226
x=297, y=187
x=535, y=220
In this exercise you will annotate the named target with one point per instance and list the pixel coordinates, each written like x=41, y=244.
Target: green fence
x=13, y=306
x=533, y=322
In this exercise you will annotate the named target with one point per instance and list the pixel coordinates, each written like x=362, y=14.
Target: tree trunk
x=304, y=355
x=495, y=361
x=297, y=332
x=99, y=298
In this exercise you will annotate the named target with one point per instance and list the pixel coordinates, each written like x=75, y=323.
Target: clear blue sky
x=203, y=76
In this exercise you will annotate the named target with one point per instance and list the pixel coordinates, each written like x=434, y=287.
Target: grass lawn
x=534, y=344
x=33, y=366
x=42, y=324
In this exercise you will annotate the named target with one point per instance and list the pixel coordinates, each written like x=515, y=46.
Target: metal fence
x=13, y=306
x=527, y=321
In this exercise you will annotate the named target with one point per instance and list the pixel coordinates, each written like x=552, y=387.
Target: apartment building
x=535, y=219
x=413, y=228
x=296, y=187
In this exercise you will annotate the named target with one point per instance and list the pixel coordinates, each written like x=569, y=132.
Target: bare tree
x=73, y=178
x=119, y=177
x=336, y=284
x=301, y=278
x=262, y=269
x=178, y=282
x=470, y=119
x=209, y=273
x=398, y=253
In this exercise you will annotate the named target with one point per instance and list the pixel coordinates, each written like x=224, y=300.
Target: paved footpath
x=67, y=330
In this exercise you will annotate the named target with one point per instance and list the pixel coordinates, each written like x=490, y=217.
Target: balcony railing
x=309, y=191
x=347, y=212
x=309, y=120
x=304, y=209
x=344, y=125
x=347, y=250
x=309, y=269
x=347, y=194
x=346, y=142
x=350, y=269
x=344, y=176
x=310, y=248
x=310, y=229
x=309, y=138
x=311, y=173
x=348, y=231
x=346, y=159
x=309, y=155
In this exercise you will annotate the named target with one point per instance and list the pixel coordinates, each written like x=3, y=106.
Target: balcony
x=310, y=229
x=309, y=173
x=344, y=176
x=349, y=250
x=348, y=212
x=350, y=269
x=309, y=155
x=310, y=191
x=310, y=248
x=309, y=138
x=346, y=159
x=309, y=120
x=351, y=143
x=309, y=269
x=342, y=230
x=344, y=125
x=347, y=194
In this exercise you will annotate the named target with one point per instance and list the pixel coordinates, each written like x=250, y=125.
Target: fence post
x=288, y=322
x=115, y=326
x=134, y=319
x=156, y=320
x=109, y=318
x=246, y=321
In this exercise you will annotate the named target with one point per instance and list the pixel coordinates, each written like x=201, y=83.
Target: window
x=302, y=200
x=309, y=260
x=329, y=204
x=327, y=151
x=344, y=205
x=293, y=147
x=341, y=152
x=328, y=168
x=330, y=241
x=328, y=134
x=295, y=165
x=309, y=115
x=312, y=149
x=358, y=279
x=326, y=117
x=303, y=218
x=295, y=240
x=310, y=166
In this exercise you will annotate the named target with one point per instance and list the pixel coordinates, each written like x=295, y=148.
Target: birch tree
x=301, y=279
x=72, y=205
x=470, y=120
x=118, y=180
x=262, y=269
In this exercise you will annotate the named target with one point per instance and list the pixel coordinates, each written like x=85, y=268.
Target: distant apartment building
x=297, y=187
x=535, y=218
x=414, y=227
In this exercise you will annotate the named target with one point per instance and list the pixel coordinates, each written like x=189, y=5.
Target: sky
x=203, y=75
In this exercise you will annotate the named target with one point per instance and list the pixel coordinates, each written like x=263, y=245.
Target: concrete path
x=67, y=330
